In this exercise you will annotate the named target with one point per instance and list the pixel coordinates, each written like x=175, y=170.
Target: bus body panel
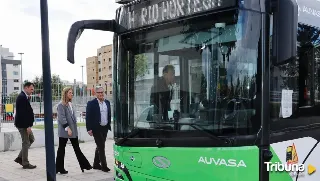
x=219, y=164
x=230, y=163
x=189, y=164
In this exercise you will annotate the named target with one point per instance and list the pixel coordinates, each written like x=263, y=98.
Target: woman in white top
x=67, y=129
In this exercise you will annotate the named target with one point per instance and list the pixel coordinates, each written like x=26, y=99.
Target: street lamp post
x=82, y=82
x=58, y=87
x=47, y=93
x=106, y=83
x=21, y=70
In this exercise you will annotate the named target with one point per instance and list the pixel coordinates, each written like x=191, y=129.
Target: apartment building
x=10, y=73
x=92, y=71
x=99, y=69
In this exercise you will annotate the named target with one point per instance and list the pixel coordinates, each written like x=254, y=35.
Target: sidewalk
x=11, y=171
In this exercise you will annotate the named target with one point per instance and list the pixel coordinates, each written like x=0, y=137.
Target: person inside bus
x=161, y=93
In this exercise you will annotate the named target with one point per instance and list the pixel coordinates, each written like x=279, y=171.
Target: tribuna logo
x=280, y=167
x=292, y=163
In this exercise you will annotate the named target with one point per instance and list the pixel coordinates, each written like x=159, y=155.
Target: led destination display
x=140, y=15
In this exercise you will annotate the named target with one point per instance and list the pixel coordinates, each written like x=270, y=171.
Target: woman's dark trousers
x=83, y=162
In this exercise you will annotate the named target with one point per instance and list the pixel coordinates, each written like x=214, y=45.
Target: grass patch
x=56, y=125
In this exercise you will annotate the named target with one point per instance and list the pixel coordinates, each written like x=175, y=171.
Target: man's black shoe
x=29, y=166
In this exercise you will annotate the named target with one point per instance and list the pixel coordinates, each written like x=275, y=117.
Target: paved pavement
x=11, y=171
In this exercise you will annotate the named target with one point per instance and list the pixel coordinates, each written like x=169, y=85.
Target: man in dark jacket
x=24, y=119
x=98, y=120
x=161, y=94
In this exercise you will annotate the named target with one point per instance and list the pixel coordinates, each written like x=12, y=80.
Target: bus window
x=189, y=73
x=302, y=77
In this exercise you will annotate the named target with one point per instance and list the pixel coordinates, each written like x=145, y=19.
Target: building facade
x=10, y=73
x=92, y=71
x=10, y=80
x=99, y=70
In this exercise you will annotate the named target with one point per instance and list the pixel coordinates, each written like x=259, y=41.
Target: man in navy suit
x=24, y=119
x=98, y=119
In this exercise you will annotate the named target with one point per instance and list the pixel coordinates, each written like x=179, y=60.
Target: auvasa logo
x=222, y=162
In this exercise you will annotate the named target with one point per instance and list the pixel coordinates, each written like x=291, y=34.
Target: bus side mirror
x=284, y=36
x=78, y=27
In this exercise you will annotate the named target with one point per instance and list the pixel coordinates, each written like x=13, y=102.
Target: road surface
x=11, y=171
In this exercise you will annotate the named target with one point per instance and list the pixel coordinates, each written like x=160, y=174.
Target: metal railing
x=80, y=103
x=7, y=118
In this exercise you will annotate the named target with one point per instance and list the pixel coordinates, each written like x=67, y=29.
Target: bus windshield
x=193, y=74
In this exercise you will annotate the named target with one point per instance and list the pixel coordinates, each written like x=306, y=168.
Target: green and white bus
x=222, y=90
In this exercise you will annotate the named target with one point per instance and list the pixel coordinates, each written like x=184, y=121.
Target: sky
x=20, y=31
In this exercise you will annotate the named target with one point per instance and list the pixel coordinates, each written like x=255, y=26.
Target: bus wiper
x=210, y=135
x=203, y=130
x=132, y=134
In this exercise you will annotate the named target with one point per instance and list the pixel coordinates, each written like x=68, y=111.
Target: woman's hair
x=64, y=95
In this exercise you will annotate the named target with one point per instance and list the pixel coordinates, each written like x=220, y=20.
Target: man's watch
x=66, y=129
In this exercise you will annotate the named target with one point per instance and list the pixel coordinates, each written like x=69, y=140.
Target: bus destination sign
x=309, y=12
x=151, y=12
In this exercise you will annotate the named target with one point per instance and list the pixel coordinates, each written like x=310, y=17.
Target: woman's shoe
x=88, y=168
x=62, y=171
x=97, y=167
x=105, y=169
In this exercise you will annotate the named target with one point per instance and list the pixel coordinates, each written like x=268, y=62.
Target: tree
x=140, y=66
x=308, y=38
x=25, y=81
x=13, y=97
x=305, y=66
x=56, y=85
x=140, y=69
x=203, y=88
x=237, y=90
x=245, y=86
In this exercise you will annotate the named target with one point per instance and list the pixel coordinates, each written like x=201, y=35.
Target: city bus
x=223, y=90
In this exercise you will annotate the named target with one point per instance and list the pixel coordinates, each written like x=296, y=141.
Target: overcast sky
x=20, y=31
